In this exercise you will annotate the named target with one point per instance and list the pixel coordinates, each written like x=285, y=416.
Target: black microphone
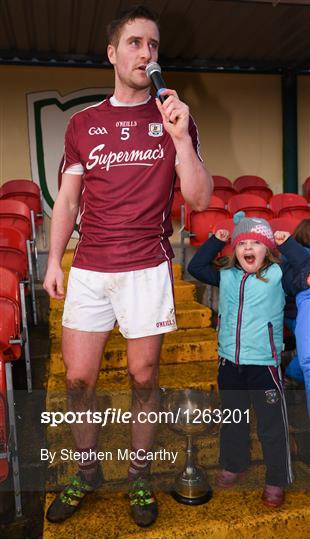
x=153, y=71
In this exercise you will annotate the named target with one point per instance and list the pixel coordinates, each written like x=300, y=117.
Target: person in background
x=121, y=160
x=252, y=288
x=294, y=377
x=302, y=329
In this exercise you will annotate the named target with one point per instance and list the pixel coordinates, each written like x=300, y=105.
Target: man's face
x=251, y=255
x=137, y=46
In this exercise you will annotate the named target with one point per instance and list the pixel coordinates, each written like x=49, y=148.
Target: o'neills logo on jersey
x=119, y=159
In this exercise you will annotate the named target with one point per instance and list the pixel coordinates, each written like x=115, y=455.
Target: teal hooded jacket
x=250, y=316
x=251, y=311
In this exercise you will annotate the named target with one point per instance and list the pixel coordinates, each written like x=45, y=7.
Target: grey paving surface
x=31, y=436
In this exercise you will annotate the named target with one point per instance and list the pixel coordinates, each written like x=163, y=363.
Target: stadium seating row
x=200, y=224
x=20, y=214
x=229, y=192
x=248, y=182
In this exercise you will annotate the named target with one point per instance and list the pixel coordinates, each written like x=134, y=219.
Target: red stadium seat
x=198, y=226
x=262, y=191
x=252, y=205
x=15, y=256
x=216, y=202
x=221, y=181
x=10, y=315
x=306, y=189
x=295, y=212
x=16, y=214
x=203, y=223
x=286, y=200
x=227, y=223
x=289, y=205
x=12, y=302
x=284, y=224
x=248, y=180
x=29, y=193
x=25, y=191
x=224, y=193
x=13, y=251
x=10, y=349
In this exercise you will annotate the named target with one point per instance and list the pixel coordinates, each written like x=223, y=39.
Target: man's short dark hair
x=130, y=14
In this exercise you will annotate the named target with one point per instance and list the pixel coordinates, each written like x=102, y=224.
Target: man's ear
x=111, y=53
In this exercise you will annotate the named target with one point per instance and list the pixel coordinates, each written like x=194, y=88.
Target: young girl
x=250, y=334
x=302, y=329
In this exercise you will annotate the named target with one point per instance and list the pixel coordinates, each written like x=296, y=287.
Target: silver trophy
x=191, y=414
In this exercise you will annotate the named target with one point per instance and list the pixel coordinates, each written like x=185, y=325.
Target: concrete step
x=181, y=346
x=177, y=271
x=233, y=513
x=193, y=315
x=184, y=291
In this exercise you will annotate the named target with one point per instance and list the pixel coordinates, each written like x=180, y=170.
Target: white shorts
x=141, y=301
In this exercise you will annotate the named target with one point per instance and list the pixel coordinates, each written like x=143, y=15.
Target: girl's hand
x=281, y=237
x=222, y=234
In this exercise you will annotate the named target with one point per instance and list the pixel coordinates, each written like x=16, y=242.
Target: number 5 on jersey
x=125, y=133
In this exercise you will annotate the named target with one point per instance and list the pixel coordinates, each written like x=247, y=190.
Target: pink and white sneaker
x=227, y=479
x=273, y=496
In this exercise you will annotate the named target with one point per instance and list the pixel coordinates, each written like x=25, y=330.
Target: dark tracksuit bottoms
x=240, y=387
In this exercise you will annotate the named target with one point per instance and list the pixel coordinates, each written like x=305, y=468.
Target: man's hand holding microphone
x=175, y=113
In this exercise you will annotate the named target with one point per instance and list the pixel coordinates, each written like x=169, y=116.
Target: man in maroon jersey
x=121, y=160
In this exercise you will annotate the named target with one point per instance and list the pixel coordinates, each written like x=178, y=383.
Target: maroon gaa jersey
x=128, y=164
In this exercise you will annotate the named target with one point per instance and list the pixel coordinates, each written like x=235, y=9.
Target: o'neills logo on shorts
x=97, y=156
x=170, y=322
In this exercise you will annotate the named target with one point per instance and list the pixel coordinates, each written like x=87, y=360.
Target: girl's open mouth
x=250, y=259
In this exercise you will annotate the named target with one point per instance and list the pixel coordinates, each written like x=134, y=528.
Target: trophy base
x=192, y=501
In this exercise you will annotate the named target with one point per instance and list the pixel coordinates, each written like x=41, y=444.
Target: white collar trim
x=117, y=103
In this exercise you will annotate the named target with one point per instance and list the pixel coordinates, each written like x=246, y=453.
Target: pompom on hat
x=252, y=228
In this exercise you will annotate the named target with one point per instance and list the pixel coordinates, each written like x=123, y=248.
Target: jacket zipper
x=272, y=345
x=241, y=298
x=218, y=323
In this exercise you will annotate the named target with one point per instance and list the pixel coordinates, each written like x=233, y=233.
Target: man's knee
x=76, y=383
x=144, y=383
x=80, y=392
x=146, y=376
